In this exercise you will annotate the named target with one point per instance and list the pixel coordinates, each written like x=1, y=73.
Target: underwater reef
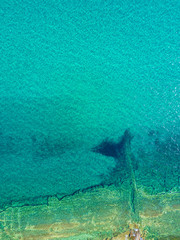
x=137, y=199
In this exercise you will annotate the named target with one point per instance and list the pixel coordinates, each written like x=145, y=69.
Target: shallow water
x=76, y=73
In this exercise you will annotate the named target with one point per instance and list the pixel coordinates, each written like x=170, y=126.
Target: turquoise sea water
x=73, y=73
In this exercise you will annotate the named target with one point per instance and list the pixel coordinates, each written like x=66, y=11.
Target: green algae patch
x=101, y=213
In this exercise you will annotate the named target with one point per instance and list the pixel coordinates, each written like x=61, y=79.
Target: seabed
x=115, y=209
x=99, y=213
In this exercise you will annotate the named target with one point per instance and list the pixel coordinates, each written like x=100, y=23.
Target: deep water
x=76, y=73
